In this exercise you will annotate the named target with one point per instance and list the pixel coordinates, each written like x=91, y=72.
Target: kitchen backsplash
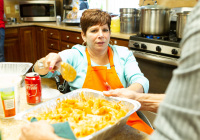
x=171, y=3
x=10, y=9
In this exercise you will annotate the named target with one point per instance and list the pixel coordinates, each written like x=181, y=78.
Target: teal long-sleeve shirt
x=125, y=63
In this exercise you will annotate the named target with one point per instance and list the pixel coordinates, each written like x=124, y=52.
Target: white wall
x=113, y=6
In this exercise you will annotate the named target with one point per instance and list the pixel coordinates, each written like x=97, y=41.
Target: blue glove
x=61, y=129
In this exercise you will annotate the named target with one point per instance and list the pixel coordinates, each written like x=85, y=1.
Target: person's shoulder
x=75, y=50
x=121, y=50
x=79, y=49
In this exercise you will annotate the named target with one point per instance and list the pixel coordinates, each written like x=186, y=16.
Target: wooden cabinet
x=66, y=45
x=73, y=37
x=41, y=38
x=11, y=45
x=28, y=44
x=119, y=42
x=69, y=39
x=53, y=40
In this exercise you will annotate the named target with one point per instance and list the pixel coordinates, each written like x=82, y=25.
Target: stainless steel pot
x=179, y=10
x=155, y=20
x=180, y=24
x=129, y=20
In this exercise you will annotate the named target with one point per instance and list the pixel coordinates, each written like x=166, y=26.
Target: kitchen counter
x=11, y=128
x=63, y=27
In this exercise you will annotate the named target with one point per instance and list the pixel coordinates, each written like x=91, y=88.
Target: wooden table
x=11, y=128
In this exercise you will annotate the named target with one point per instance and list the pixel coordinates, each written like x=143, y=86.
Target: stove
x=157, y=57
x=161, y=46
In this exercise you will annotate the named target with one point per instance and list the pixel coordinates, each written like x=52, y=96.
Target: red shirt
x=2, y=23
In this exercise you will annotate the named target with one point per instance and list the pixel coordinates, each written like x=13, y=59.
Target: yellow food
x=85, y=116
x=68, y=72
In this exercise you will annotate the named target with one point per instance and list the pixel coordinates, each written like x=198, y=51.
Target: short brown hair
x=91, y=17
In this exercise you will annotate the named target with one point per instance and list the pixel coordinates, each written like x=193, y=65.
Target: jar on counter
x=115, y=24
x=58, y=20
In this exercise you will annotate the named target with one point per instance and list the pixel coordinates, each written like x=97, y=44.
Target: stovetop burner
x=170, y=37
x=163, y=45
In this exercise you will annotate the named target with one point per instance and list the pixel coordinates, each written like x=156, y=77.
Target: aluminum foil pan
x=14, y=68
x=131, y=105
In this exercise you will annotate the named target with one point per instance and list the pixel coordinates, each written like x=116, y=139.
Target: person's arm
x=49, y=63
x=135, y=78
x=136, y=87
x=149, y=102
x=40, y=130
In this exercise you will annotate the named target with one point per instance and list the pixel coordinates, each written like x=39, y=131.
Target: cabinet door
x=120, y=42
x=41, y=42
x=53, y=44
x=53, y=33
x=28, y=44
x=52, y=51
x=12, y=50
x=66, y=45
x=73, y=37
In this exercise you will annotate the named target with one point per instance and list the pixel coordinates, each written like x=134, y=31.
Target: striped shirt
x=179, y=114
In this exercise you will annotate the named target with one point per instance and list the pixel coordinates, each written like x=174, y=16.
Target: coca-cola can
x=33, y=88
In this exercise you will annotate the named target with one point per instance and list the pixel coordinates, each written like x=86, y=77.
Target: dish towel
x=61, y=129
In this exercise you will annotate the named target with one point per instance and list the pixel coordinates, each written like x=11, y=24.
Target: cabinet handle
x=41, y=29
x=67, y=37
x=78, y=38
x=51, y=33
x=67, y=46
x=52, y=45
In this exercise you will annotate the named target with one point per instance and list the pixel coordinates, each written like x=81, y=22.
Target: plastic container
x=115, y=24
x=9, y=95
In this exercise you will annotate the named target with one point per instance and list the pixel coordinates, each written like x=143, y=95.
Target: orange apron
x=98, y=77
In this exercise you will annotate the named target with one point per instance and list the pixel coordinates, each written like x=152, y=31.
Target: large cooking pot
x=129, y=20
x=180, y=24
x=155, y=20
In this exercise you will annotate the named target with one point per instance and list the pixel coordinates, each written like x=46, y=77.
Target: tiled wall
x=9, y=8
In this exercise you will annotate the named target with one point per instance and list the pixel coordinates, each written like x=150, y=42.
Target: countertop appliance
x=157, y=57
x=39, y=10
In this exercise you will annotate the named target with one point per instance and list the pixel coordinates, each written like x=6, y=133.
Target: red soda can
x=33, y=88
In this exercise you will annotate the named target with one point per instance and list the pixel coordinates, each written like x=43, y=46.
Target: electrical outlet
x=8, y=10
